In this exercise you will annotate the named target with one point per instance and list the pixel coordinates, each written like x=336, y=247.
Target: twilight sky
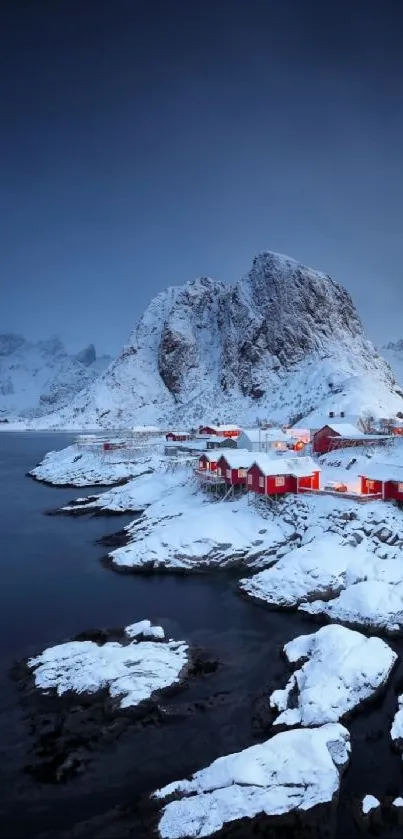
x=147, y=142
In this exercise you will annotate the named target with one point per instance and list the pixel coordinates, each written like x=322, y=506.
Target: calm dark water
x=52, y=586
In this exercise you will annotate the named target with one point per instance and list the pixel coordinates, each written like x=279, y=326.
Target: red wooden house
x=177, y=436
x=234, y=465
x=220, y=430
x=208, y=461
x=384, y=482
x=341, y=436
x=269, y=476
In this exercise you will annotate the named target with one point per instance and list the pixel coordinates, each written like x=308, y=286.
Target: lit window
x=370, y=484
x=261, y=482
x=228, y=473
x=280, y=481
x=241, y=473
x=219, y=472
x=400, y=487
x=250, y=478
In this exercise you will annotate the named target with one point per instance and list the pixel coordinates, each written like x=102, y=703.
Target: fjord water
x=53, y=586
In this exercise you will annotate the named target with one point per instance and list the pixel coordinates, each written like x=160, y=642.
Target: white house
x=263, y=440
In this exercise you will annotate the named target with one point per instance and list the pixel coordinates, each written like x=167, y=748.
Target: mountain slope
x=281, y=342
x=37, y=378
x=393, y=353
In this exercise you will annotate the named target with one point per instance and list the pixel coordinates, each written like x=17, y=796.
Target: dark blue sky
x=143, y=144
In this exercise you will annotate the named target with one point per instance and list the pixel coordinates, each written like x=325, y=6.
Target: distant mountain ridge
x=281, y=343
x=393, y=353
x=36, y=378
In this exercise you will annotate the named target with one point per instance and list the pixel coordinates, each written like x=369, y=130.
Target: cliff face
x=281, y=341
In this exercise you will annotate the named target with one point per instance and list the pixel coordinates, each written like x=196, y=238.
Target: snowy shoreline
x=74, y=467
x=325, y=558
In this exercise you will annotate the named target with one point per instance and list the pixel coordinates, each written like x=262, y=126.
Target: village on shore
x=272, y=461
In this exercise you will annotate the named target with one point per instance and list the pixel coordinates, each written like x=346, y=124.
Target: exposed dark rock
x=66, y=732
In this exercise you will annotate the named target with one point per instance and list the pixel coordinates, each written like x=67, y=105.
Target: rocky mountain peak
x=279, y=342
x=87, y=356
x=10, y=343
x=396, y=346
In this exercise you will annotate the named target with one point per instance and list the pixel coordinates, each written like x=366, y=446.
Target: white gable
x=260, y=435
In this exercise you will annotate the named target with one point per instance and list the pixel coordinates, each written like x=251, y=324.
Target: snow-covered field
x=131, y=672
x=294, y=770
x=339, y=670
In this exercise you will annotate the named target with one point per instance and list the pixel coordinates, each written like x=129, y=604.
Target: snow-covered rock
x=131, y=671
x=396, y=731
x=313, y=570
x=42, y=377
x=79, y=467
x=352, y=574
x=280, y=342
x=372, y=603
x=370, y=803
x=293, y=771
x=397, y=802
x=339, y=670
x=182, y=529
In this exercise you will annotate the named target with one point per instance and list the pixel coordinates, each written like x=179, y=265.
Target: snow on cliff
x=38, y=378
x=280, y=342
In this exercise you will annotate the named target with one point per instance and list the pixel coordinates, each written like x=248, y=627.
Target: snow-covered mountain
x=36, y=378
x=393, y=352
x=283, y=341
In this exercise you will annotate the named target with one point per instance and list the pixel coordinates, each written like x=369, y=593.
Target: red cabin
x=208, y=462
x=342, y=436
x=384, y=482
x=233, y=466
x=267, y=476
x=220, y=430
x=264, y=484
x=371, y=487
x=177, y=436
